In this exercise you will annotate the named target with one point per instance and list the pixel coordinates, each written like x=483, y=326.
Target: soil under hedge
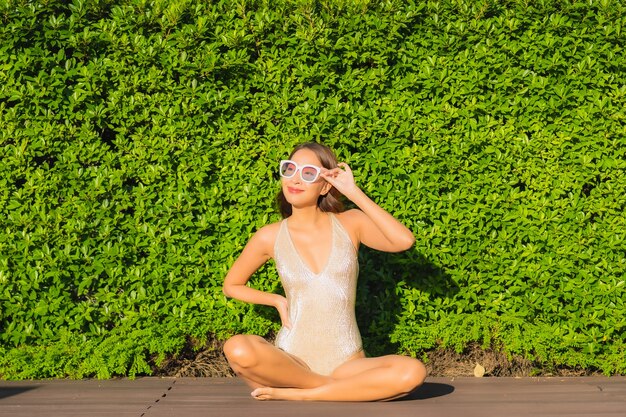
x=210, y=362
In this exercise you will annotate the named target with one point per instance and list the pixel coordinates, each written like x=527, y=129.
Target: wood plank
x=230, y=397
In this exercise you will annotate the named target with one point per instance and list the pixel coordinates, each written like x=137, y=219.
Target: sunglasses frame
x=317, y=169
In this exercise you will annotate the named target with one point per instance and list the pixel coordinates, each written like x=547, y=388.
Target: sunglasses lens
x=309, y=174
x=287, y=169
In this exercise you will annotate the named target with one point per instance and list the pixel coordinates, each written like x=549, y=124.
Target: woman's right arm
x=256, y=253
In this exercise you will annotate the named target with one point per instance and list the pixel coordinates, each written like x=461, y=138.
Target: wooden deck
x=226, y=397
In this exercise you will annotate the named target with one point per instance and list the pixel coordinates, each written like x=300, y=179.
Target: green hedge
x=139, y=146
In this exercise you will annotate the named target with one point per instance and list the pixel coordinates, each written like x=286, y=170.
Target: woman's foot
x=266, y=393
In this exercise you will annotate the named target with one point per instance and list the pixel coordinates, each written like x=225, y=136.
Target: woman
x=318, y=353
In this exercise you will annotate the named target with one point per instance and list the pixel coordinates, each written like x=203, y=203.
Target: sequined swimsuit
x=323, y=332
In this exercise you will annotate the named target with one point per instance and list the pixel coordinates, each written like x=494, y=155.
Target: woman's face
x=298, y=192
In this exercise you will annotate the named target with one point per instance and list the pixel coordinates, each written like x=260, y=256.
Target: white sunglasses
x=308, y=173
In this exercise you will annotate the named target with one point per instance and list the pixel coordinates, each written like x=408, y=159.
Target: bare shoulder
x=265, y=237
x=352, y=217
x=268, y=232
x=351, y=220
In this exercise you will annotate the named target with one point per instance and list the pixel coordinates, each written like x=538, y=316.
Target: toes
x=261, y=394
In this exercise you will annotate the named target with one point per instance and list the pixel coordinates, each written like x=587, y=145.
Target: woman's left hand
x=341, y=178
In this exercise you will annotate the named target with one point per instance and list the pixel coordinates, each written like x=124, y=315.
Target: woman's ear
x=326, y=188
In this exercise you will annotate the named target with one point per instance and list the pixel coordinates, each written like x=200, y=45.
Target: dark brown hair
x=331, y=202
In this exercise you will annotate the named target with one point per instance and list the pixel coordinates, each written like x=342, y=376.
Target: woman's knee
x=412, y=374
x=240, y=350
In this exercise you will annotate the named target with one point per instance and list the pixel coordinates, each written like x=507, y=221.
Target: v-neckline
x=330, y=253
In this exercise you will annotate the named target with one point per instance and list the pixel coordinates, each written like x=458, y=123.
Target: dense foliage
x=139, y=143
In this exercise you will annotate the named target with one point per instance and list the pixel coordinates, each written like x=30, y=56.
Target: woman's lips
x=294, y=190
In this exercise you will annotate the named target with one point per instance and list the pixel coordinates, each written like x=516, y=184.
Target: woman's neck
x=309, y=216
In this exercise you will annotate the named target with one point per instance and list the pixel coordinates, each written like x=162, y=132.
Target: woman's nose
x=297, y=178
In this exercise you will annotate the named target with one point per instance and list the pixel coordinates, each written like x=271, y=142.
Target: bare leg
x=363, y=379
x=262, y=364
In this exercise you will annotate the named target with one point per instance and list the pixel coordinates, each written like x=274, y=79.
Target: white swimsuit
x=324, y=331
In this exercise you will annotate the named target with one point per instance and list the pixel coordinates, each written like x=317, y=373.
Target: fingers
x=342, y=167
x=345, y=166
x=285, y=322
x=341, y=178
x=283, y=312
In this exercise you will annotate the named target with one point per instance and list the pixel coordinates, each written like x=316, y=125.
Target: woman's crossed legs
x=277, y=375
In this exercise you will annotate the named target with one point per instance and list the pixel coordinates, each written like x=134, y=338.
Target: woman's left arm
x=376, y=227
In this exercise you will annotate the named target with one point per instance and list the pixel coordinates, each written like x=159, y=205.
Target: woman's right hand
x=283, y=310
